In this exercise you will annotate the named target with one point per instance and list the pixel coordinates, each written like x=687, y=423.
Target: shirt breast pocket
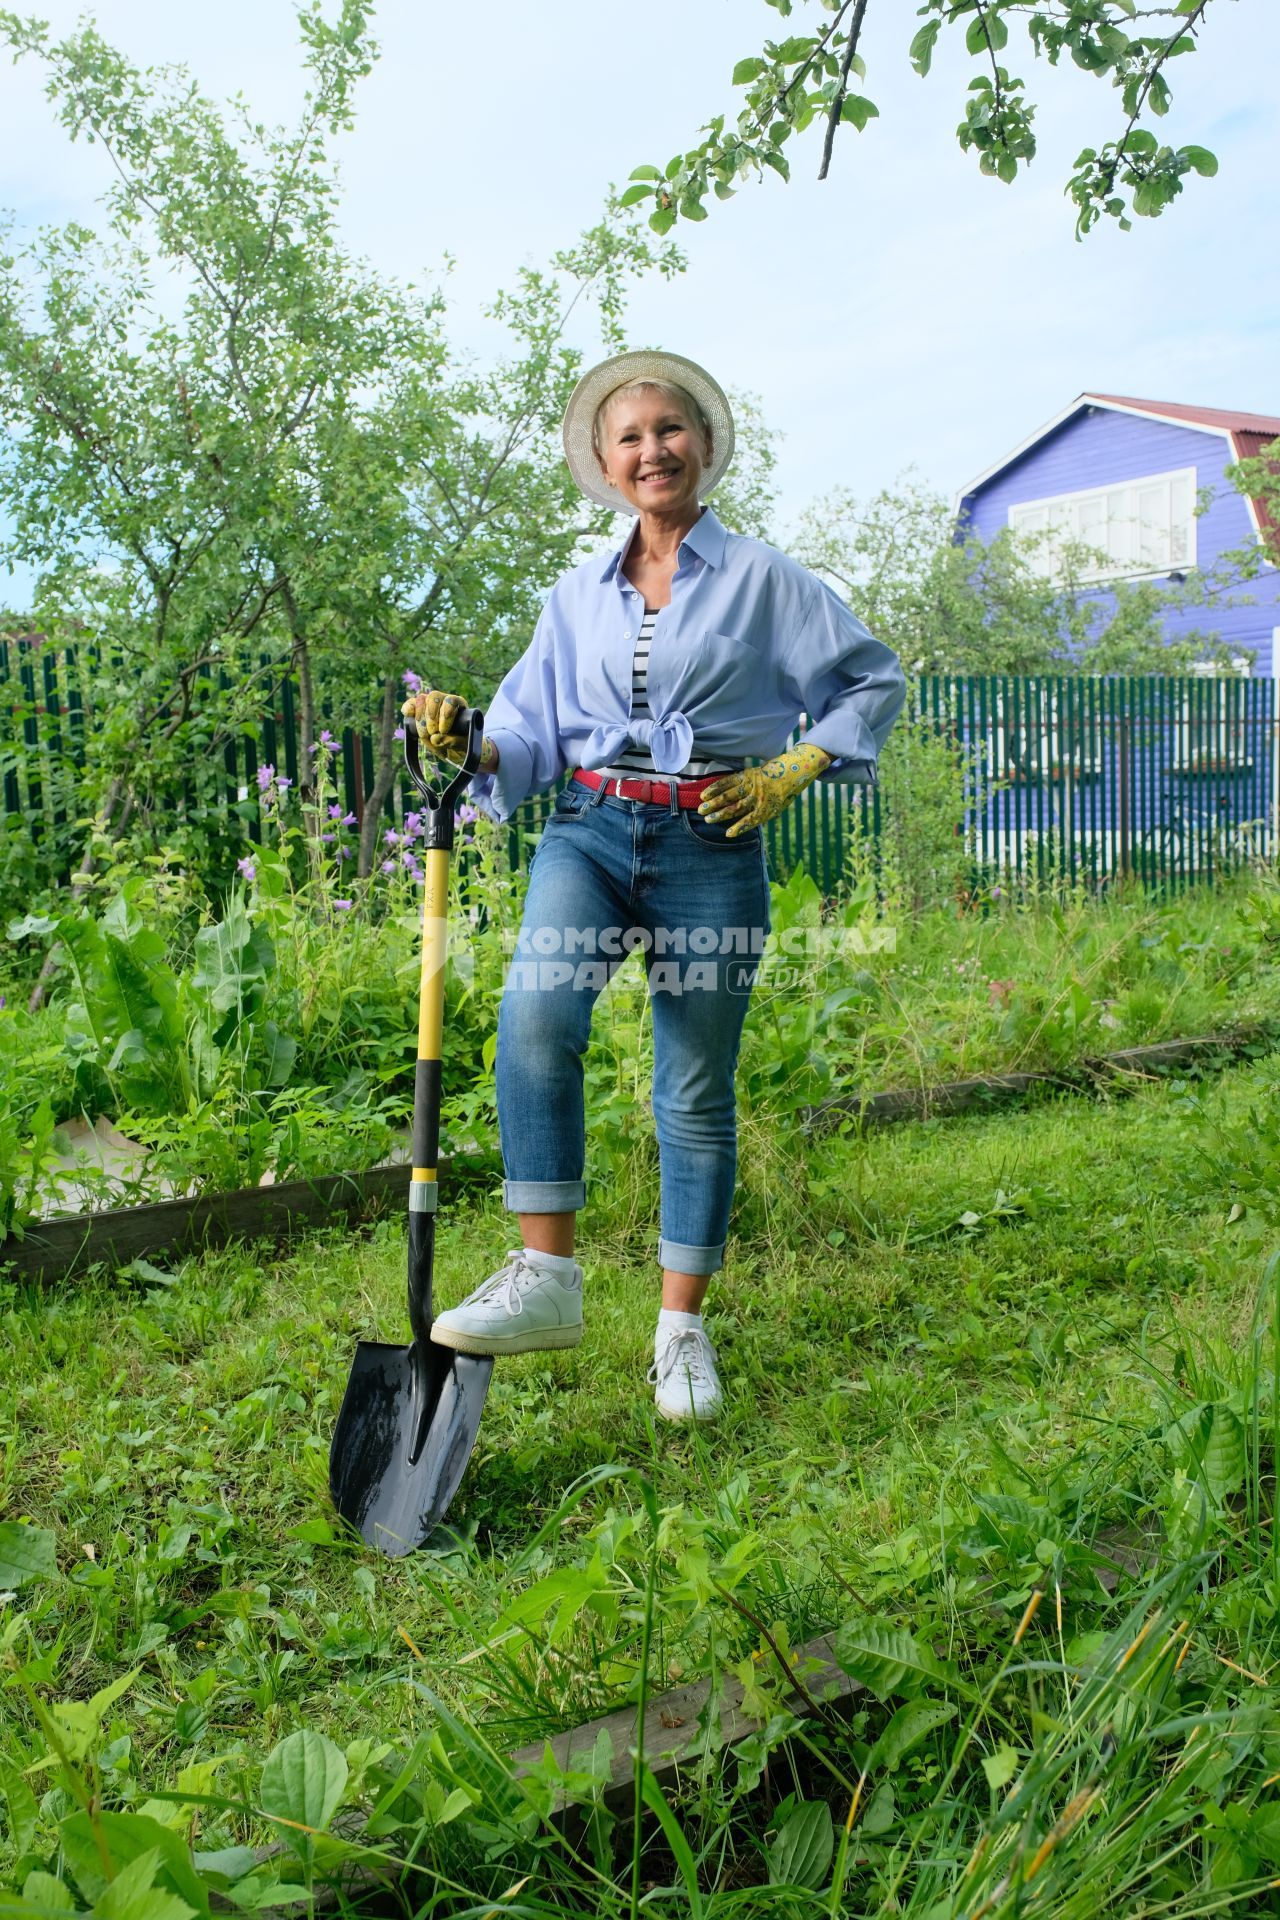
x=720, y=669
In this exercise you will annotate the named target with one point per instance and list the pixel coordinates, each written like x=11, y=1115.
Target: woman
x=655, y=674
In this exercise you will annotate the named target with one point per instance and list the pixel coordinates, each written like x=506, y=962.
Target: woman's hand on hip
x=435, y=715
x=748, y=799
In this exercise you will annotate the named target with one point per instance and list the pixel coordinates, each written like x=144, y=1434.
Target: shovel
x=410, y=1414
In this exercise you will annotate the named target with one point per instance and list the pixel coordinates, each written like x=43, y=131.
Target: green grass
x=1021, y=1305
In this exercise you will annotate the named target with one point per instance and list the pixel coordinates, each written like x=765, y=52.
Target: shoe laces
x=504, y=1287
x=687, y=1349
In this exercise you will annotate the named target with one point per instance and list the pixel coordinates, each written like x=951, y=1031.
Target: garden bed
x=276, y=1042
x=58, y=1249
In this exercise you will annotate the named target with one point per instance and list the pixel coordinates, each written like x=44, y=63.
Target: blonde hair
x=680, y=395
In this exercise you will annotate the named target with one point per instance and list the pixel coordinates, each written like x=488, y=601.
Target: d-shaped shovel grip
x=441, y=800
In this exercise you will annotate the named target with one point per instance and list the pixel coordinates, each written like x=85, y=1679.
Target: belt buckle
x=617, y=786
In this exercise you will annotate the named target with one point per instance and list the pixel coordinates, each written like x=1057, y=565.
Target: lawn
x=958, y=1354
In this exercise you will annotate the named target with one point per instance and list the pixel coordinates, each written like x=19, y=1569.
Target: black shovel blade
x=409, y=1420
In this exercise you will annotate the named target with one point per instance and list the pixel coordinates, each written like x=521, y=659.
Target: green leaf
x=317, y=1532
x=692, y=208
x=881, y=1810
x=456, y=1804
x=1201, y=159
x=562, y=1594
x=303, y=1781
x=802, y=1848
x=859, y=110
x=24, y=1814
x=126, y=1836
x=887, y=1660
x=133, y=1894
x=226, y=1863
x=682, y=1853
x=1209, y=1443
x=280, y=1051
x=793, y=51
x=266, y=1890
x=746, y=71
x=920, y=52
x=1000, y=1766
x=909, y=1726
x=1263, y=1829
x=41, y=1893
x=644, y=173
x=81, y=1720
x=662, y=221
x=634, y=195
x=26, y=1553
x=230, y=961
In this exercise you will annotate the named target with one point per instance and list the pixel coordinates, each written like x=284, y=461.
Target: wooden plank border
x=679, y=1736
x=58, y=1249
x=675, y=1737
x=1124, y=1071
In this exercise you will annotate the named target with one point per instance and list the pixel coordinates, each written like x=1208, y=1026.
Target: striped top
x=636, y=762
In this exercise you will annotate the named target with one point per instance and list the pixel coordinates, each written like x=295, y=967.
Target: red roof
x=1250, y=444
x=1262, y=426
x=1249, y=432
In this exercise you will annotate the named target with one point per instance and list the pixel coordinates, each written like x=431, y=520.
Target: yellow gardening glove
x=436, y=717
x=756, y=794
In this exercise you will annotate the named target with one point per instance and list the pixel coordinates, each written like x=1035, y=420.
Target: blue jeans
x=608, y=876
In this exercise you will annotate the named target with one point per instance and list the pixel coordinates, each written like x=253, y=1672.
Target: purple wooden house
x=1125, y=477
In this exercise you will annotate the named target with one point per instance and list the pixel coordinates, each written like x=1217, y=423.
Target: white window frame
x=1064, y=511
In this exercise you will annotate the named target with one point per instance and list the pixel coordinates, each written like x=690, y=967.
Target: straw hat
x=601, y=381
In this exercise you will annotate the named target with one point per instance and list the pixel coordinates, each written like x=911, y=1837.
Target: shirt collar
x=706, y=537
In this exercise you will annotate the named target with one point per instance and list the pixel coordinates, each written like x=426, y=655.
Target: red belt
x=658, y=792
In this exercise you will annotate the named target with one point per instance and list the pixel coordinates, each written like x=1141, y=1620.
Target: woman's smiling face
x=651, y=452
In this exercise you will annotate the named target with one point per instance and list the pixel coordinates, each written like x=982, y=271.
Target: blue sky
x=906, y=312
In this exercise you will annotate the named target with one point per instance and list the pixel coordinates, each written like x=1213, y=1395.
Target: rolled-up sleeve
x=523, y=724
x=851, y=686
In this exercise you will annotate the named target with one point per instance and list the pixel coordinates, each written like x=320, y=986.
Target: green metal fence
x=1169, y=780
x=1161, y=778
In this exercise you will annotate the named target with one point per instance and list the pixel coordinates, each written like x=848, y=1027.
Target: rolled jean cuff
x=544, y=1196
x=683, y=1259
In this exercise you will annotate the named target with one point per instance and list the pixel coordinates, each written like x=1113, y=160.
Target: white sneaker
x=519, y=1309
x=684, y=1372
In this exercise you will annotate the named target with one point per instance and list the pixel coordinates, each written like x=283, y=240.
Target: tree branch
x=1186, y=25
x=833, y=118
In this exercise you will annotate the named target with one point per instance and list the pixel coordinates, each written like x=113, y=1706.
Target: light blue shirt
x=749, y=642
